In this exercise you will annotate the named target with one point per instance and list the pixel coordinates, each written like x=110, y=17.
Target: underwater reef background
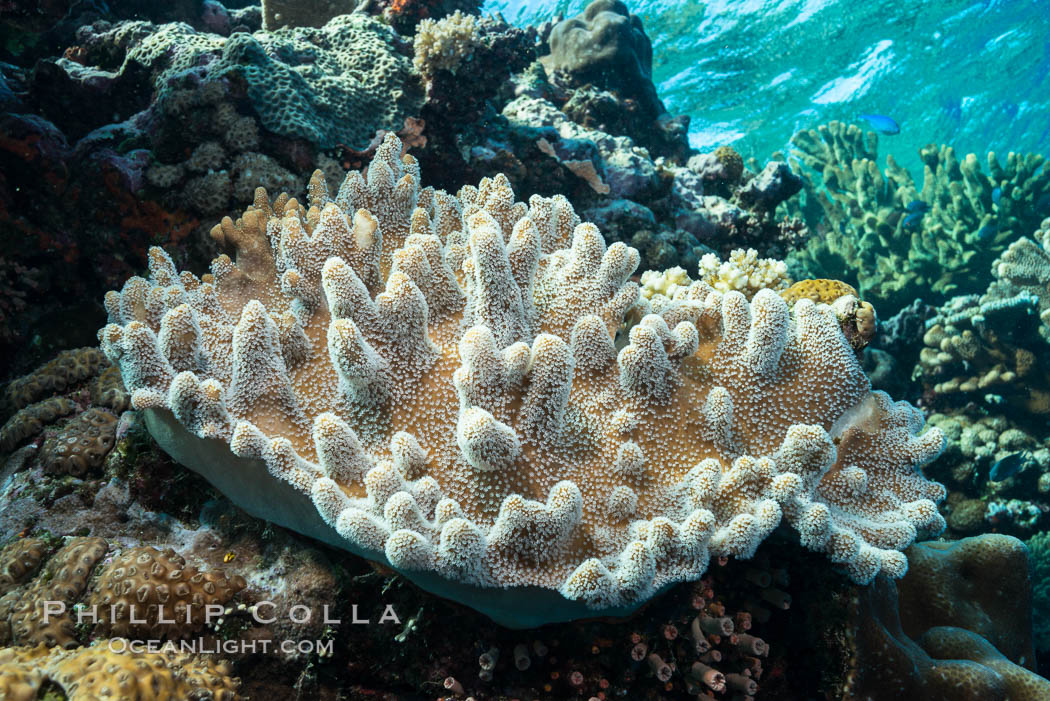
x=750, y=74
x=758, y=209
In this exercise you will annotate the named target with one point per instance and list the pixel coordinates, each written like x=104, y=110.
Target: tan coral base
x=257, y=491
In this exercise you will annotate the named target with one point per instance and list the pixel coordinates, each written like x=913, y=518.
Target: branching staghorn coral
x=434, y=382
x=876, y=235
x=994, y=348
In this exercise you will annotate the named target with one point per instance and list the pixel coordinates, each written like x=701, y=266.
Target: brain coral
x=446, y=384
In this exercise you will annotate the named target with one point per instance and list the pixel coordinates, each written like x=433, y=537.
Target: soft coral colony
x=471, y=389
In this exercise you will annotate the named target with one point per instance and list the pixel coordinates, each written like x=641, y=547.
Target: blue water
x=751, y=73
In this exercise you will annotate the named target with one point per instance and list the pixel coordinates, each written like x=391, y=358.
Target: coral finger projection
x=472, y=390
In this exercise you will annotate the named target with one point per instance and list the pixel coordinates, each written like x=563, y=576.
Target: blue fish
x=986, y=232
x=881, y=123
x=918, y=206
x=997, y=194
x=1008, y=466
x=911, y=220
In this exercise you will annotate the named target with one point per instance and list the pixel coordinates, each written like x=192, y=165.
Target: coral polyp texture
x=447, y=384
x=137, y=588
x=108, y=670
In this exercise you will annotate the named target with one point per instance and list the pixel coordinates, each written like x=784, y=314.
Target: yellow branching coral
x=664, y=282
x=744, y=272
x=445, y=43
x=445, y=383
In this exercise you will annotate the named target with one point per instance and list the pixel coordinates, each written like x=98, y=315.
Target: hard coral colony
x=471, y=390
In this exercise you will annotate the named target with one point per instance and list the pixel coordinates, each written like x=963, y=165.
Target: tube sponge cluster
x=452, y=382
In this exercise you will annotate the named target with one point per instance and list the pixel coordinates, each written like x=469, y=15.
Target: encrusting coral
x=956, y=628
x=19, y=561
x=81, y=445
x=962, y=583
x=108, y=390
x=65, y=369
x=440, y=377
x=29, y=421
x=330, y=85
x=110, y=670
x=24, y=613
x=147, y=593
x=139, y=592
